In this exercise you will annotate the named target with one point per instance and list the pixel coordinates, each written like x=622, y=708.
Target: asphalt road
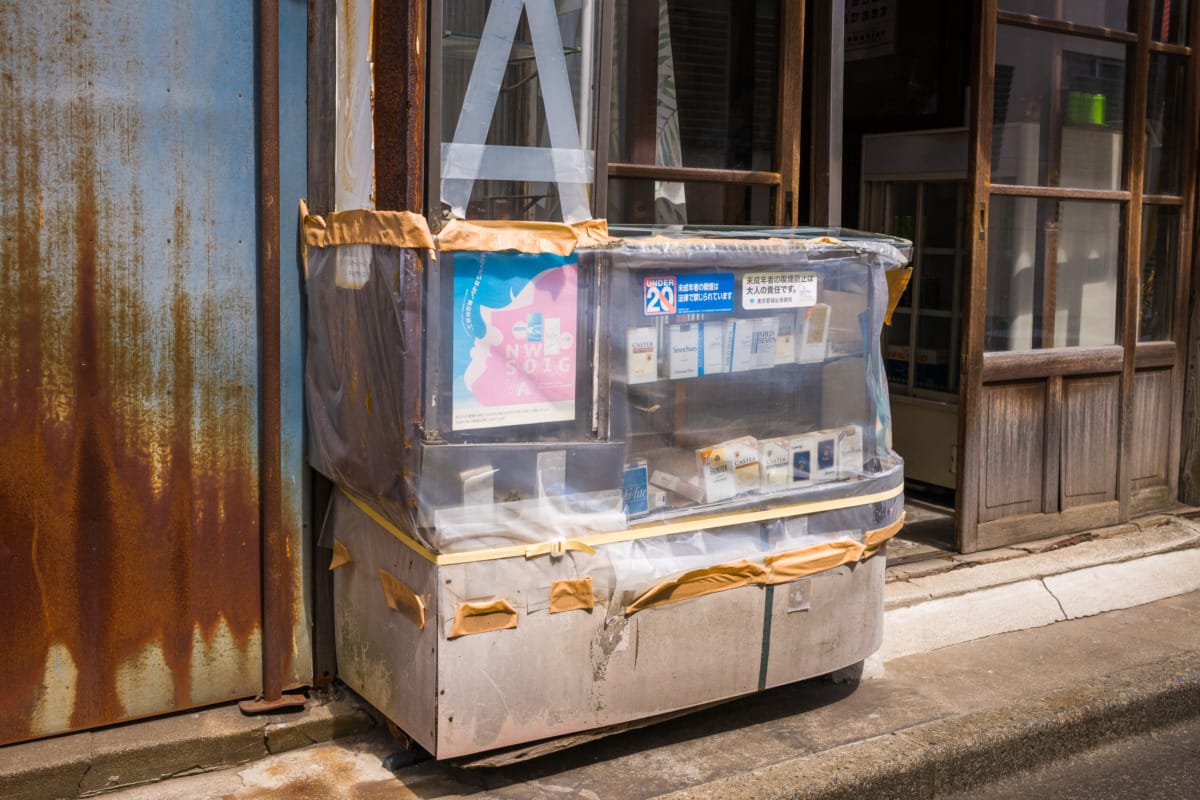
x=1164, y=765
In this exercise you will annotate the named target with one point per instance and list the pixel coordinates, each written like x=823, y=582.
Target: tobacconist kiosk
x=589, y=477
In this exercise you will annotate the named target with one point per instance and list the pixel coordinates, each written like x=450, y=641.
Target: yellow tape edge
x=652, y=531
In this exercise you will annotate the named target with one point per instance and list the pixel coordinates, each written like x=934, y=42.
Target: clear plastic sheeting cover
x=643, y=397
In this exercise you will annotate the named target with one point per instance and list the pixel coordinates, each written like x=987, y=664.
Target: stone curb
x=957, y=753
x=92, y=762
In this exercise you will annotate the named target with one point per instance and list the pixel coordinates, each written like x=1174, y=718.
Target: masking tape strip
x=651, y=531
x=402, y=599
x=699, y=582
x=777, y=569
x=801, y=563
x=592, y=232
x=363, y=226
x=499, y=235
x=507, y=163
x=341, y=555
x=558, y=547
x=472, y=618
x=571, y=595
x=873, y=540
x=897, y=281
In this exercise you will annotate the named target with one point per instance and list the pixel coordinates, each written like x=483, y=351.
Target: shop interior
x=906, y=105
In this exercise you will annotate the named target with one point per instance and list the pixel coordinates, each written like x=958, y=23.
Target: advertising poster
x=514, y=339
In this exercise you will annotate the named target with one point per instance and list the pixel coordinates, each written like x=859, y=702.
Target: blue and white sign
x=688, y=294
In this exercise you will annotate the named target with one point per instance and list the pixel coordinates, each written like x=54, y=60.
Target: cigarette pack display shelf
x=583, y=483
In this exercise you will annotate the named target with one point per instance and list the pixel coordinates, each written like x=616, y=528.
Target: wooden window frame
x=784, y=180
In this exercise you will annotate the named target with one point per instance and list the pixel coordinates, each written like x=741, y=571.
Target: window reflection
x=1069, y=137
x=1160, y=255
x=1166, y=124
x=1052, y=273
x=1112, y=14
x=1168, y=21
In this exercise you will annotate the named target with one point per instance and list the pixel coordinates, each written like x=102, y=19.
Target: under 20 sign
x=659, y=295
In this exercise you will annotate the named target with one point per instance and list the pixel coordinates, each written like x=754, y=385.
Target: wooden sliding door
x=1082, y=175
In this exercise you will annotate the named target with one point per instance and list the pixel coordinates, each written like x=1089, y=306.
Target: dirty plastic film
x=670, y=413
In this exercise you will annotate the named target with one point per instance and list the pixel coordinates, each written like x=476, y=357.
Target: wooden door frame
x=1053, y=365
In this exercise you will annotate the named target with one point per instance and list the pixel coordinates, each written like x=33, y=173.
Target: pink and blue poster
x=515, y=338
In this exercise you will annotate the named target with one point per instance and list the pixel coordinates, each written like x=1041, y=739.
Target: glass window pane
x=941, y=214
x=637, y=201
x=695, y=84
x=1070, y=137
x=1160, y=263
x=1052, y=273
x=1168, y=21
x=512, y=105
x=1112, y=14
x=1166, y=124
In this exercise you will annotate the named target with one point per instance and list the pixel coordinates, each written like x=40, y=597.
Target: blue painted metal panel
x=293, y=164
x=129, y=361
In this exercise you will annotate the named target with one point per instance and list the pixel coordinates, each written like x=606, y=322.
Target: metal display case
x=586, y=479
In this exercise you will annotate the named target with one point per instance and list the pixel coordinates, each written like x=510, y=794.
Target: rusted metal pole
x=276, y=571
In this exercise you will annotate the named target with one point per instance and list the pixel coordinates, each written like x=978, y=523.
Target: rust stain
x=128, y=475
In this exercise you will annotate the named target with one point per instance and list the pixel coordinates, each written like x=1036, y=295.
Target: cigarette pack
x=716, y=473
x=766, y=336
x=683, y=350
x=739, y=344
x=641, y=355
x=712, y=348
x=802, y=458
x=826, y=468
x=773, y=458
x=743, y=454
x=673, y=483
x=785, y=341
x=850, y=452
x=634, y=494
x=814, y=335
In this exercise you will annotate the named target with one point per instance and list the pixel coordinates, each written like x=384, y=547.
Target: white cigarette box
x=766, y=335
x=673, y=483
x=814, y=335
x=641, y=355
x=850, y=453
x=743, y=454
x=739, y=344
x=712, y=348
x=773, y=459
x=683, y=350
x=716, y=474
x=785, y=341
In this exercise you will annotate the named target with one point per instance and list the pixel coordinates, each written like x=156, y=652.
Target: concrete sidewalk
x=990, y=663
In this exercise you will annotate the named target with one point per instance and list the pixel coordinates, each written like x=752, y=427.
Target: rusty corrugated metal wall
x=129, y=510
